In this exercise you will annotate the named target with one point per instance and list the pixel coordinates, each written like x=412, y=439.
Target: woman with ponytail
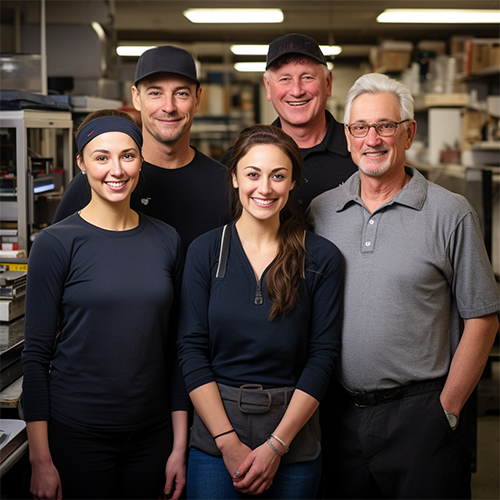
x=259, y=333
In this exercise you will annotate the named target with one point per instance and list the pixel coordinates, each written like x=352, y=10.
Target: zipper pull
x=258, y=294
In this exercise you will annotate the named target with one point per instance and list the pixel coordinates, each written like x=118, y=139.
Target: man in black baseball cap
x=166, y=59
x=179, y=184
x=298, y=83
x=294, y=44
x=167, y=93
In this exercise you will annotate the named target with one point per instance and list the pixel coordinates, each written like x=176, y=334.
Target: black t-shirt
x=193, y=199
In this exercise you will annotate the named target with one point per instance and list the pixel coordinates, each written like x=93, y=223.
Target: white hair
x=377, y=83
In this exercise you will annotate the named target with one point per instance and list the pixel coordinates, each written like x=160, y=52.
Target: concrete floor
x=486, y=481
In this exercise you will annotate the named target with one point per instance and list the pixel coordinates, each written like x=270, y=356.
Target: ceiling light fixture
x=261, y=50
x=235, y=16
x=250, y=67
x=331, y=50
x=132, y=50
x=440, y=16
x=249, y=50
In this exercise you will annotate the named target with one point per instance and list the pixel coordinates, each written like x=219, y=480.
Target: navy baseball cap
x=294, y=44
x=166, y=59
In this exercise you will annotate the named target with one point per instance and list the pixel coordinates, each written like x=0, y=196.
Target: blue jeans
x=208, y=478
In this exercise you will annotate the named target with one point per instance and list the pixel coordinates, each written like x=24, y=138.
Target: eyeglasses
x=384, y=129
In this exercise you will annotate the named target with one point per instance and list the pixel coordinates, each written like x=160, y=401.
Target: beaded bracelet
x=224, y=433
x=281, y=442
x=269, y=442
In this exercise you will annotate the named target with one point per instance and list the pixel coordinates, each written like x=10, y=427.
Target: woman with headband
x=102, y=388
x=259, y=332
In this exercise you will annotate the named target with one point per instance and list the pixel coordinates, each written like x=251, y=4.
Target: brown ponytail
x=283, y=277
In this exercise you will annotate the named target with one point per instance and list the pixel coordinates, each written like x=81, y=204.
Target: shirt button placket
x=369, y=236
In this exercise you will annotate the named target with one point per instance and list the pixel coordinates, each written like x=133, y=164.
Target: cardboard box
x=437, y=46
x=481, y=53
x=471, y=128
x=215, y=100
x=494, y=61
x=480, y=57
x=455, y=100
x=457, y=44
x=394, y=60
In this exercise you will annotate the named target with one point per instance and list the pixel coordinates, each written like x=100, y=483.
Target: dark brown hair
x=283, y=278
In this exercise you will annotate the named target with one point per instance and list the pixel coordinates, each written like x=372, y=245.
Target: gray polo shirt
x=413, y=267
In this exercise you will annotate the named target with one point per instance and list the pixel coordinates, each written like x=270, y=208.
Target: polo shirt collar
x=413, y=195
x=334, y=140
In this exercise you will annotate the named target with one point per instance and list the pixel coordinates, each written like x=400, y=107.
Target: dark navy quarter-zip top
x=224, y=331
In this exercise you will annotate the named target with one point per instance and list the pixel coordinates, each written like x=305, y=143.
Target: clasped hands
x=252, y=471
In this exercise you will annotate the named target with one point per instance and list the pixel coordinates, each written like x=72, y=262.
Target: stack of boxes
x=481, y=54
x=472, y=56
x=391, y=56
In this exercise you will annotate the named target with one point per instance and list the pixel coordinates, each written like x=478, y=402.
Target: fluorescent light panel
x=132, y=50
x=261, y=50
x=249, y=50
x=440, y=16
x=250, y=67
x=42, y=188
x=331, y=50
x=219, y=16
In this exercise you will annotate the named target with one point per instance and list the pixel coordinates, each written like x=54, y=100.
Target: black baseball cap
x=166, y=59
x=294, y=44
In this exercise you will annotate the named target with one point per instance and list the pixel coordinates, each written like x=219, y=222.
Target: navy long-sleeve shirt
x=114, y=365
x=225, y=336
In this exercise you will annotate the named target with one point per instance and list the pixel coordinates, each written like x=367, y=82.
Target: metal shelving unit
x=22, y=121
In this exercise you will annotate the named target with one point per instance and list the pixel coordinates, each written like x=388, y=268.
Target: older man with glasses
x=420, y=310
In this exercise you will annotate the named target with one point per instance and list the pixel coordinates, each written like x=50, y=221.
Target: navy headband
x=107, y=124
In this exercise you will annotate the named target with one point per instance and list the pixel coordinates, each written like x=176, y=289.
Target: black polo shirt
x=326, y=165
